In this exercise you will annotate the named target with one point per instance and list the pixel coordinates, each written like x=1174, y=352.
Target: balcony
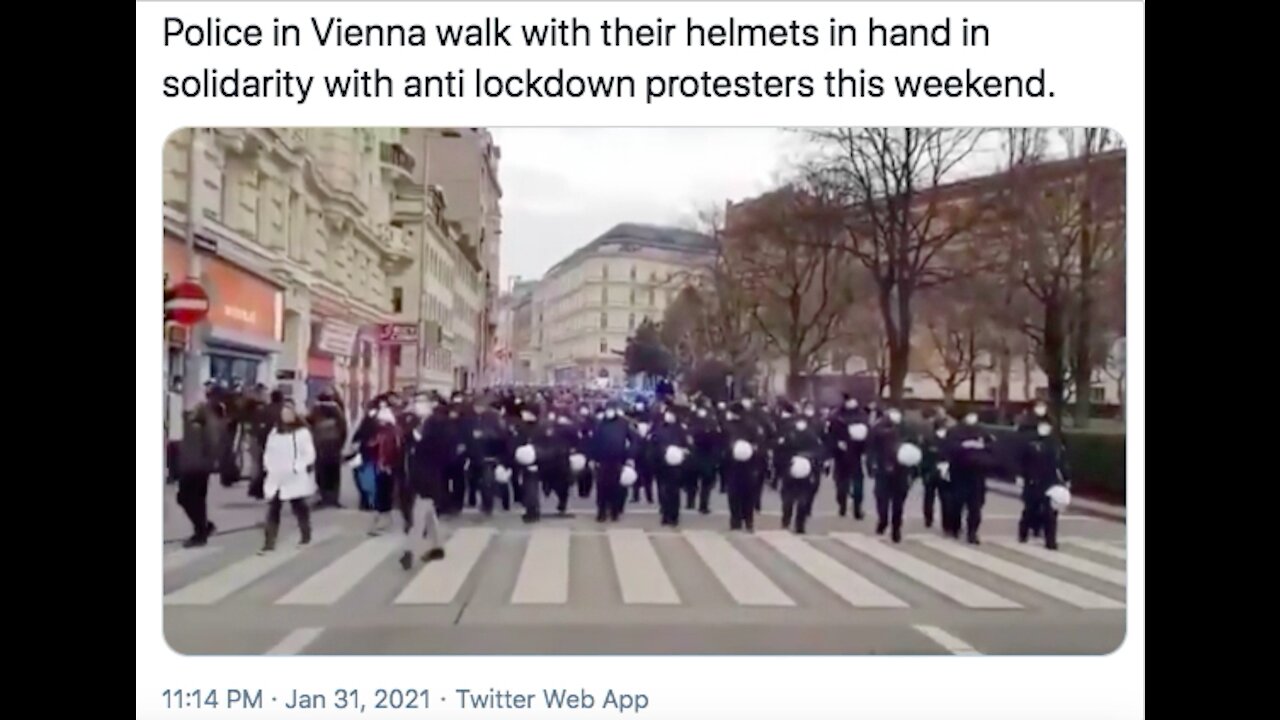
x=408, y=207
x=397, y=164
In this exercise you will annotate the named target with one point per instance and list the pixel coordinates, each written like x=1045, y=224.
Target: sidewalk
x=230, y=509
x=1079, y=506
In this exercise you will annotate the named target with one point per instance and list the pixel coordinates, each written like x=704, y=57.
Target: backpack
x=328, y=435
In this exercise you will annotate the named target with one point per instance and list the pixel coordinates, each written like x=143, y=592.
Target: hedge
x=1097, y=460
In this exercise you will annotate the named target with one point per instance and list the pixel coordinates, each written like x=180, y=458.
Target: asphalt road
x=571, y=585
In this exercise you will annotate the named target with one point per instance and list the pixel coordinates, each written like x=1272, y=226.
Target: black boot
x=406, y=560
x=897, y=535
x=433, y=554
x=269, y=537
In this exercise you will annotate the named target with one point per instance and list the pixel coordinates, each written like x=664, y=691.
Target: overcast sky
x=563, y=187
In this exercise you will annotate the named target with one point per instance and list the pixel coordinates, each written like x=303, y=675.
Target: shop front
x=242, y=334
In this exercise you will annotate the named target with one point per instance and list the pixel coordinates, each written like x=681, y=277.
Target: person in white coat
x=289, y=461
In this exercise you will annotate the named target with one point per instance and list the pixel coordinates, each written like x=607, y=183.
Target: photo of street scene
x=846, y=390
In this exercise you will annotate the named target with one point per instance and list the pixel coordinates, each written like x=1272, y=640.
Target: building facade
x=587, y=305
x=463, y=164
x=313, y=243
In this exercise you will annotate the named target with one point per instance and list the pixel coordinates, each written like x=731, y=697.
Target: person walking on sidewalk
x=197, y=456
x=289, y=460
x=431, y=447
x=329, y=428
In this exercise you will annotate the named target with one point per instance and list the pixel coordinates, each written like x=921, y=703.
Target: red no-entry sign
x=186, y=303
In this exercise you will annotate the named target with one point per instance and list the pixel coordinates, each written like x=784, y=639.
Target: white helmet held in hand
x=643, y=429
x=858, y=432
x=525, y=455
x=1059, y=497
x=628, y=476
x=742, y=451
x=801, y=468
x=674, y=455
x=502, y=474
x=909, y=455
x=577, y=462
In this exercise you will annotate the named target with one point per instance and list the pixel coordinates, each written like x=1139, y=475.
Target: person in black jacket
x=197, y=456
x=934, y=475
x=741, y=476
x=669, y=432
x=329, y=429
x=613, y=446
x=970, y=449
x=584, y=426
x=431, y=447
x=892, y=478
x=700, y=477
x=1042, y=463
x=849, y=421
x=541, y=436
x=801, y=438
x=487, y=442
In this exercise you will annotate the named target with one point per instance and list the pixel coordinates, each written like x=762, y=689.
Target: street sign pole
x=192, y=390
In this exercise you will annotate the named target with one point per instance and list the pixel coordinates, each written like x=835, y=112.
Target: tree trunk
x=949, y=396
x=1083, y=357
x=1053, y=358
x=1005, y=361
x=795, y=376
x=973, y=363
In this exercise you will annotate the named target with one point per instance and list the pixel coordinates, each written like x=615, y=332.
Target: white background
x=1093, y=52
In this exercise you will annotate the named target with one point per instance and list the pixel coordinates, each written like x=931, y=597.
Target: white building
x=587, y=305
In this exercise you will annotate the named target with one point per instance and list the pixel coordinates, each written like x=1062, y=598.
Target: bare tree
x=1050, y=212
x=899, y=219
x=781, y=251
x=1098, y=247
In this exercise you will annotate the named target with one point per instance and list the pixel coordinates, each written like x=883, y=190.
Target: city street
x=570, y=585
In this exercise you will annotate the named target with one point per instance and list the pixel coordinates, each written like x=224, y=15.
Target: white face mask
x=940, y=433
x=422, y=409
x=746, y=404
x=669, y=418
x=785, y=414
x=801, y=425
x=721, y=406
x=373, y=413
x=730, y=416
x=808, y=412
x=1044, y=429
x=599, y=416
x=895, y=417
x=702, y=412
x=385, y=416
x=584, y=412
x=1041, y=410
x=610, y=414
x=551, y=417
x=851, y=404
x=971, y=419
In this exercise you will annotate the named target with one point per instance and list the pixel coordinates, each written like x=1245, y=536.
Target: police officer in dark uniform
x=802, y=438
x=670, y=432
x=847, y=422
x=1042, y=463
x=557, y=473
x=539, y=435
x=933, y=474
x=613, y=446
x=892, y=478
x=741, y=476
x=645, y=456
x=700, y=478
x=757, y=418
x=584, y=426
x=970, y=449
x=488, y=446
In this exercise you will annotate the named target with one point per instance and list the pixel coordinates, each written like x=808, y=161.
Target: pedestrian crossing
x=553, y=567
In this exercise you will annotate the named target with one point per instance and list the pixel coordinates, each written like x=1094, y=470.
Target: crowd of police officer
x=428, y=454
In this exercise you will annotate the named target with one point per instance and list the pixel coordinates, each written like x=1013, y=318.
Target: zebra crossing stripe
x=544, y=572
x=743, y=581
x=1044, y=584
x=438, y=582
x=849, y=585
x=949, y=642
x=1070, y=562
x=179, y=559
x=641, y=577
x=952, y=586
x=1102, y=548
x=241, y=574
x=338, y=578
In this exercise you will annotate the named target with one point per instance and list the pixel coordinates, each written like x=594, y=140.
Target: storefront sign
x=238, y=300
x=337, y=337
x=398, y=334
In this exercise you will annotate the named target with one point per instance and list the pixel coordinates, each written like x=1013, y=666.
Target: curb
x=1099, y=510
